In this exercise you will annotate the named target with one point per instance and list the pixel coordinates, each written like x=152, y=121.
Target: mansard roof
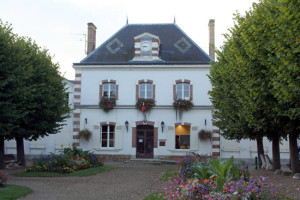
x=175, y=47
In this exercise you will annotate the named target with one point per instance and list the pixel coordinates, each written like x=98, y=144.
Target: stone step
x=150, y=162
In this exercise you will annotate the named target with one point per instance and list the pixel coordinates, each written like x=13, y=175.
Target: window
x=183, y=91
x=146, y=91
x=108, y=136
x=109, y=90
x=182, y=137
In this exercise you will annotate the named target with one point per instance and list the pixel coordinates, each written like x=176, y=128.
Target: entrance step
x=150, y=162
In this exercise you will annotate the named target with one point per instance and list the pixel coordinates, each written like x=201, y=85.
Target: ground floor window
x=108, y=136
x=182, y=137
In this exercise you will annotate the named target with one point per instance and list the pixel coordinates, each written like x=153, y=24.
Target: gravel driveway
x=126, y=182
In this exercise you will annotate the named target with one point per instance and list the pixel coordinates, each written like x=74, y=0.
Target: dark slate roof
x=175, y=47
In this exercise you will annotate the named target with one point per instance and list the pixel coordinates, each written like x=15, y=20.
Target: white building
x=150, y=61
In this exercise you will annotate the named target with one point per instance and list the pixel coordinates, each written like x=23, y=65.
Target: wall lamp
x=162, y=126
x=126, y=125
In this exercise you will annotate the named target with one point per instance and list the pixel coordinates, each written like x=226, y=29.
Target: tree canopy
x=256, y=79
x=32, y=92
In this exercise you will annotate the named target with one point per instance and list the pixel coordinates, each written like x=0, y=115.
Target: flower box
x=107, y=104
x=148, y=104
x=183, y=104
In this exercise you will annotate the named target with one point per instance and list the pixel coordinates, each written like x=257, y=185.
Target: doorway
x=144, y=141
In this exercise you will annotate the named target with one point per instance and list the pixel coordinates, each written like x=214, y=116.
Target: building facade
x=140, y=63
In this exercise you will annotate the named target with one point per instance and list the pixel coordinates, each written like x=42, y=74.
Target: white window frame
x=182, y=90
x=146, y=90
x=108, y=136
x=109, y=90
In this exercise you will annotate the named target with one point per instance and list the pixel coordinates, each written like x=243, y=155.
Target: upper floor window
x=146, y=91
x=183, y=89
x=109, y=90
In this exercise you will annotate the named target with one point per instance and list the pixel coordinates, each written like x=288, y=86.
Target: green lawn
x=153, y=196
x=10, y=192
x=84, y=172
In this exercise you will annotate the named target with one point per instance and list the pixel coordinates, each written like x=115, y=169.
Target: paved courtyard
x=131, y=182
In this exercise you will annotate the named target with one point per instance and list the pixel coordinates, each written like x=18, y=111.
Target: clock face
x=146, y=46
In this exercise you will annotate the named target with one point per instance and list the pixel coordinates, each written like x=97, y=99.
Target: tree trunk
x=294, y=157
x=20, y=150
x=260, y=150
x=276, y=153
x=2, y=155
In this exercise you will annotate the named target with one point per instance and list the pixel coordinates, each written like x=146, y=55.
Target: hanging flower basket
x=182, y=104
x=107, y=104
x=204, y=134
x=85, y=134
x=148, y=104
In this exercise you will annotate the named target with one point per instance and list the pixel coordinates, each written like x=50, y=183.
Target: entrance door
x=144, y=141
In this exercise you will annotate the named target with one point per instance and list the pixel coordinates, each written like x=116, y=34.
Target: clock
x=146, y=46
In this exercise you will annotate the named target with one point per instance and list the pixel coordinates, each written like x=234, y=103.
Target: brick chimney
x=91, y=38
x=211, y=28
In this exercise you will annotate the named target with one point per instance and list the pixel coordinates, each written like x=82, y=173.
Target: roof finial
x=174, y=19
x=126, y=19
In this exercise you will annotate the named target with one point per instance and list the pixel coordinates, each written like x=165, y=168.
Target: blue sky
x=58, y=25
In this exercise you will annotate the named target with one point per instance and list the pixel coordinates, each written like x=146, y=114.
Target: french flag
x=143, y=107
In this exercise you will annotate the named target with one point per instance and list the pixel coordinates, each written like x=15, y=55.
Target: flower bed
x=107, y=104
x=3, y=179
x=68, y=161
x=148, y=104
x=205, y=178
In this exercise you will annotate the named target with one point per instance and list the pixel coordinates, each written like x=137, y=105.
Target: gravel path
x=126, y=182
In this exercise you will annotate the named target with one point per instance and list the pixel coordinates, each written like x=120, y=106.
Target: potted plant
x=144, y=104
x=85, y=134
x=107, y=104
x=183, y=104
x=204, y=134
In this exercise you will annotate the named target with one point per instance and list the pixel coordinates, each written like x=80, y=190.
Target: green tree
x=262, y=57
x=39, y=101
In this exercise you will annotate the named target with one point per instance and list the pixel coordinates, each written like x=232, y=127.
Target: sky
x=60, y=25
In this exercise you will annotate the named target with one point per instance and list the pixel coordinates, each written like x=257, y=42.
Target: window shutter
x=170, y=138
x=174, y=93
x=194, y=140
x=191, y=92
x=117, y=92
x=100, y=92
x=153, y=92
x=119, y=137
x=137, y=95
x=96, y=136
